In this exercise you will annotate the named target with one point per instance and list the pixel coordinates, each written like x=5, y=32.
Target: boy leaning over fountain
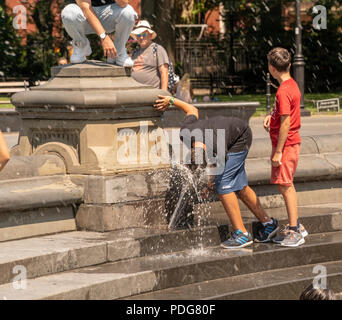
x=283, y=125
x=233, y=180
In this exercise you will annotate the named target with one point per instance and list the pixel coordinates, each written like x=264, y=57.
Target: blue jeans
x=112, y=17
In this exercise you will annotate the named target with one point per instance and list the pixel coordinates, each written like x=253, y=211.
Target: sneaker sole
x=242, y=246
x=300, y=242
x=269, y=238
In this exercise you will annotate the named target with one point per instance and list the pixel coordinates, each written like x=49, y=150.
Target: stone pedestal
x=96, y=118
x=103, y=126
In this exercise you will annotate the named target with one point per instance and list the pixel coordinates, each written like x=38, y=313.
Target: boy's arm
x=283, y=132
x=164, y=102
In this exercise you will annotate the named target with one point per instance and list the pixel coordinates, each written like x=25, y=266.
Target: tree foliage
x=45, y=46
x=258, y=26
x=11, y=50
x=323, y=50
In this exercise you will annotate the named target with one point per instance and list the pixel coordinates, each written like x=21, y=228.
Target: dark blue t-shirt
x=98, y=3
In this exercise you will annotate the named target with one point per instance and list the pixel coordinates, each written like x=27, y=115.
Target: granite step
x=37, y=206
x=278, y=284
x=145, y=274
x=310, y=216
x=70, y=250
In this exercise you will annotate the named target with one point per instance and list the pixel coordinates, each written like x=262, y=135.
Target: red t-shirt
x=287, y=101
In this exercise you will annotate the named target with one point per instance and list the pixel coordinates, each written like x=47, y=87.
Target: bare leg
x=231, y=205
x=4, y=152
x=250, y=199
x=290, y=197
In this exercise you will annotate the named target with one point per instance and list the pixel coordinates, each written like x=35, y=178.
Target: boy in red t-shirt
x=283, y=124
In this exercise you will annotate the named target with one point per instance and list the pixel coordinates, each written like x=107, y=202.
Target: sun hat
x=142, y=26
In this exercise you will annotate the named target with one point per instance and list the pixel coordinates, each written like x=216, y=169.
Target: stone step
x=70, y=250
x=36, y=206
x=145, y=274
x=309, y=194
x=315, y=218
x=279, y=284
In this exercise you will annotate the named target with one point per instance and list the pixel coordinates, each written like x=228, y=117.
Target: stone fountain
x=101, y=123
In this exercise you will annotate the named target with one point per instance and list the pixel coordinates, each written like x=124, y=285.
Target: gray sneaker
x=292, y=239
x=285, y=229
x=237, y=240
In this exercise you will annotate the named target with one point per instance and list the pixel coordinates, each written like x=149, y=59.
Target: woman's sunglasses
x=142, y=35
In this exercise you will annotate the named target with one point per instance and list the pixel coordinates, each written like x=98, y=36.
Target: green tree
x=322, y=50
x=11, y=51
x=45, y=46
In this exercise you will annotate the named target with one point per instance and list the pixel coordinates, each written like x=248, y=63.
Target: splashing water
x=184, y=192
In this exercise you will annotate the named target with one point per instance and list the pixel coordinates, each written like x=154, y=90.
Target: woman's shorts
x=234, y=176
x=284, y=174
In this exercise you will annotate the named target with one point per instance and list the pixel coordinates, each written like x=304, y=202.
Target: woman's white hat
x=142, y=26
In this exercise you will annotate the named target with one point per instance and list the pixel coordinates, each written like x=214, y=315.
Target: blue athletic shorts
x=234, y=176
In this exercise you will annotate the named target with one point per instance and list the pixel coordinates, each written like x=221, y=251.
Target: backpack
x=173, y=78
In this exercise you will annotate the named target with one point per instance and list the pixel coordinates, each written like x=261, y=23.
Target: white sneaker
x=79, y=54
x=124, y=61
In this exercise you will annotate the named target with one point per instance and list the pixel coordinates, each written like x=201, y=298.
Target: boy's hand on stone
x=162, y=103
x=267, y=121
x=276, y=160
x=109, y=49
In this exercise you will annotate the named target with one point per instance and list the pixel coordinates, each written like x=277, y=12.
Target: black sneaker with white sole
x=266, y=233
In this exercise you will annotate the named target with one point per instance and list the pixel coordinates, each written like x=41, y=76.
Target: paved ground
x=314, y=125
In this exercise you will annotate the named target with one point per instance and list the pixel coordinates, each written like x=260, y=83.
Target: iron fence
x=208, y=63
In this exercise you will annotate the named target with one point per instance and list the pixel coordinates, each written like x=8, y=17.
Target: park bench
x=10, y=87
x=13, y=87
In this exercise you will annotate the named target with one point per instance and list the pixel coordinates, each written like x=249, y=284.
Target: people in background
x=62, y=61
x=151, y=62
x=100, y=17
x=184, y=90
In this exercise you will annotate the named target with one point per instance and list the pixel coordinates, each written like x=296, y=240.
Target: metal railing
x=208, y=63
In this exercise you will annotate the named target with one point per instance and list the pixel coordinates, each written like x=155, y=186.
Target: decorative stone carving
x=95, y=117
